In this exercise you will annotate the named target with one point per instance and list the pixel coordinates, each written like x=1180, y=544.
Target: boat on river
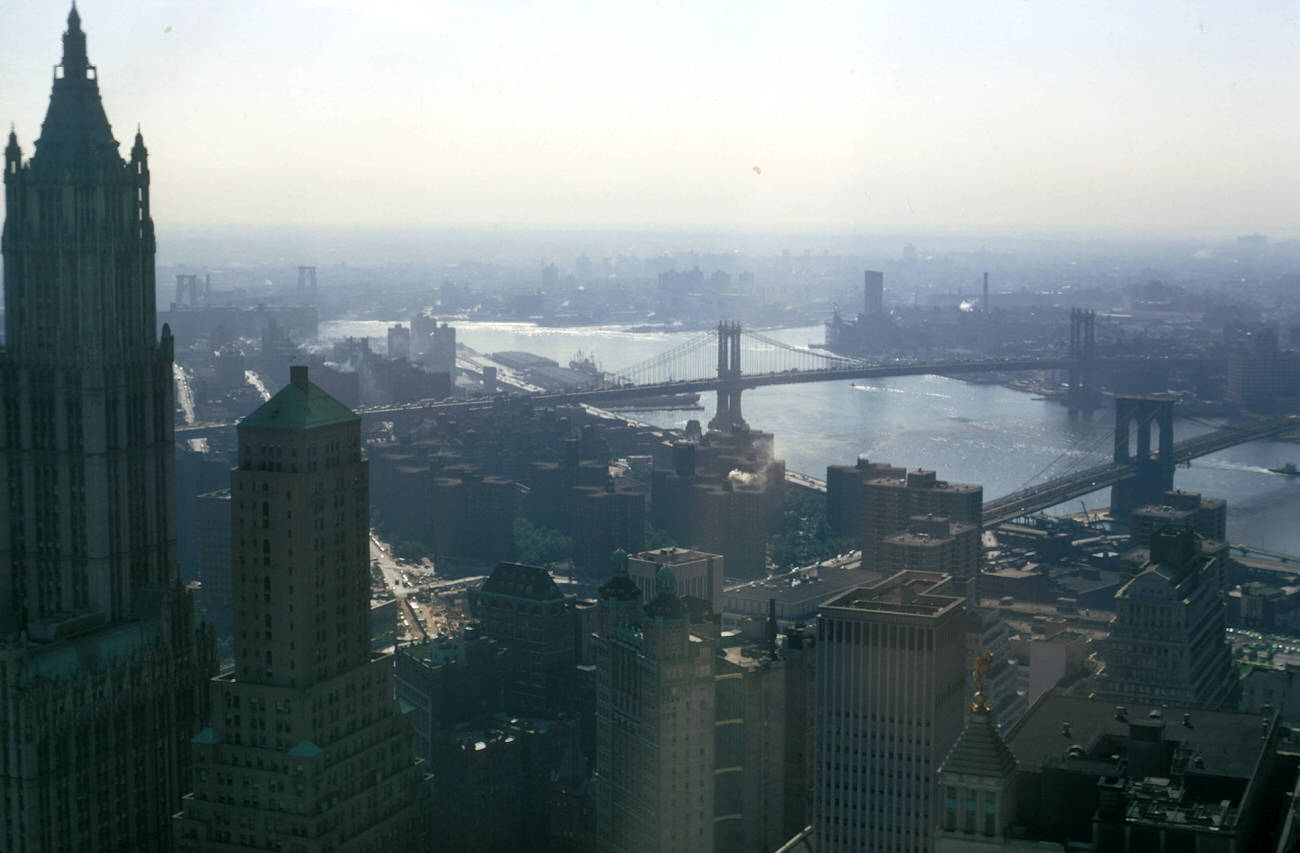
x=1287, y=470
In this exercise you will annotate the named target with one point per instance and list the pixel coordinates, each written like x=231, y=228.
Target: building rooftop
x=299, y=405
x=906, y=593
x=1221, y=743
x=520, y=581
x=672, y=556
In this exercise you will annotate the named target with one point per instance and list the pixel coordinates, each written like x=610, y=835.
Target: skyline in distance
x=1168, y=118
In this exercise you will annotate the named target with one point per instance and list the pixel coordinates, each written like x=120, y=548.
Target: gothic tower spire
x=103, y=665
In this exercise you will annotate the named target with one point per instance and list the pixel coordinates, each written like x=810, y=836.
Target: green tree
x=536, y=545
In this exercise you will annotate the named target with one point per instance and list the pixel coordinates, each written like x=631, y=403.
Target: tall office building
x=873, y=292
x=103, y=666
x=654, y=719
x=1167, y=640
x=306, y=750
x=890, y=687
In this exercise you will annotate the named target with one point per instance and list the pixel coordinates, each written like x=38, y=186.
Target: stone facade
x=307, y=749
x=103, y=664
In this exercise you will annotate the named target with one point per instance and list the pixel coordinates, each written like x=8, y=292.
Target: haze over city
x=1167, y=117
x=649, y=429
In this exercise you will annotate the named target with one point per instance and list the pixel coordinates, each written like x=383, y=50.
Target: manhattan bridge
x=1138, y=472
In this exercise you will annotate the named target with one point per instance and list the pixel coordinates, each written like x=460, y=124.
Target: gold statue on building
x=982, y=664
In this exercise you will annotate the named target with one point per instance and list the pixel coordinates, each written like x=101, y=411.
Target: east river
x=998, y=437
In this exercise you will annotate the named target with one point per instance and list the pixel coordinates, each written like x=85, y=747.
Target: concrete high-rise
x=1207, y=516
x=1167, y=641
x=306, y=749
x=844, y=493
x=873, y=292
x=890, y=502
x=890, y=687
x=655, y=720
x=931, y=544
x=103, y=666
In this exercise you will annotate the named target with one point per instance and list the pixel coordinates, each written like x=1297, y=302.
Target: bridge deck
x=1057, y=491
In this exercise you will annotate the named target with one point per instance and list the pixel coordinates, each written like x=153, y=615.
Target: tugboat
x=1287, y=470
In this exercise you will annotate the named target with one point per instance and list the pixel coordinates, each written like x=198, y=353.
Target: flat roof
x=907, y=593
x=1229, y=742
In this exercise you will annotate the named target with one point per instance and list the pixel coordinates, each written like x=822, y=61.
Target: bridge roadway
x=746, y=381
x=1059, y=490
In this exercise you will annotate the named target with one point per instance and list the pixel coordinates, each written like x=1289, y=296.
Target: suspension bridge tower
x=1155, y=472
x=728, y=417
x=1082, y=393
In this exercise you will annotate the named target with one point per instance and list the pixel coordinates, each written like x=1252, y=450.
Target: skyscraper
x=1167, y=640
x=655, y=721
x=306, y=749
x=103, y=667
x=890, y=679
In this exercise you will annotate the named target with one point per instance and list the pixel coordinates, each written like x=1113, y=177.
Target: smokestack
x=986, y=293
x=298, y=375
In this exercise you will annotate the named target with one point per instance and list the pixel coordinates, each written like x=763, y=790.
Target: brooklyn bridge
x=712, y=361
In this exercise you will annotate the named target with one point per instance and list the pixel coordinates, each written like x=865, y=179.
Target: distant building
x=870, y=331
x=935, y=544
x=1207, y=516
x=307, y=697
x=890, y=502
x=890, y=685
x=604, y=519
x=873, y=292
x=1166, y=642
x=697, y=573
x=399, y=341
x=433, y=343
x=1259, y=373
x=522, y=608
x=844, y=484
x=720, y=495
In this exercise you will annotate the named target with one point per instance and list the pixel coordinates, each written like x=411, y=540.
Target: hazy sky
x=1138, y=114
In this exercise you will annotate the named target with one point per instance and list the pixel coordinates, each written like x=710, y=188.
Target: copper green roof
x=296, y=407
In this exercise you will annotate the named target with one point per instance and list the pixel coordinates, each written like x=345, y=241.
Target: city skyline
x=1001, y=117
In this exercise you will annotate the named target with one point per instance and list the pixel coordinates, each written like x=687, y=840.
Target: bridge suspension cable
x=692, y=359
x=779, y=356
